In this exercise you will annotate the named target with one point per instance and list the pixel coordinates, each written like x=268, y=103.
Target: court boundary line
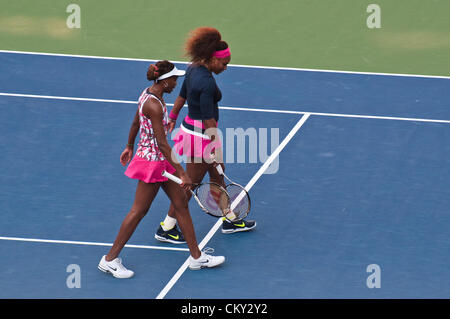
x=255, y=178
x=231, y=65
x=376, y=117
x=249, y=185
x=87, y=243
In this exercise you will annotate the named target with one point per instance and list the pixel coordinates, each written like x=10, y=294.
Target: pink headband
x=222, y=53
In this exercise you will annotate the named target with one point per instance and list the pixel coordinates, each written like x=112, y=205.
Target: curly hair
x=203, y=42
x=159, y=68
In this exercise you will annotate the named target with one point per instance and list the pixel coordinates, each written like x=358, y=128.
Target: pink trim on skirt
x=147, y=171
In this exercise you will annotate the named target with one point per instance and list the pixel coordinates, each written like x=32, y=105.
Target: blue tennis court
x=362, y=178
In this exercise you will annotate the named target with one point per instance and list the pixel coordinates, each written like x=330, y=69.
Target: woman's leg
x=145, y=193
x=167, y=231
x=179, y=202
x=198, y=259
x=229, y=227
x=196, y=171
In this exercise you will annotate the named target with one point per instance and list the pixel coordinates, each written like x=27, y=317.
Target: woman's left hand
x=171, y=125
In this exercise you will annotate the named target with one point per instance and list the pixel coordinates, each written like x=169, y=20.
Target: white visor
x=174, y=72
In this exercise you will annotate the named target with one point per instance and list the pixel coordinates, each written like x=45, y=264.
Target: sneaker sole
x=237, y=230
x=202, y=267
x=192, y=268
x=108, y=272
x=165, y=240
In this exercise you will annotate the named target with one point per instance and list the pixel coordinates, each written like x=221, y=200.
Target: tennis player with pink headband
x=197, y=138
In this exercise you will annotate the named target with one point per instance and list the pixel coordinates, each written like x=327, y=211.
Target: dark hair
x=203, y=42
x=159, y=68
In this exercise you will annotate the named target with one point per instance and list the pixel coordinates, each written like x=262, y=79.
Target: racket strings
x=239, y=199
x=214, y=198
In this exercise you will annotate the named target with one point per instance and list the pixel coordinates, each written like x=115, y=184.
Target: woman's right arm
x=127, y=153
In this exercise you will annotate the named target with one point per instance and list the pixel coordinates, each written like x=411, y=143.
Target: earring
x=165, y=84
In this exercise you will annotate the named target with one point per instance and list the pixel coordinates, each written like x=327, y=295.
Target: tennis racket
x=212, y=198
x=240, y=199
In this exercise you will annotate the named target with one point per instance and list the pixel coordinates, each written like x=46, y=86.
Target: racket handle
x=219, y=169
x=172, y=177
x=222, y=173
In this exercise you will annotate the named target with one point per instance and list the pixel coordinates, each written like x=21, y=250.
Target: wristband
x=173, y=116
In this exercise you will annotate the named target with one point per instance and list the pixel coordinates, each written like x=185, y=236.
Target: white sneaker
x=205, y=261
x=115, y=268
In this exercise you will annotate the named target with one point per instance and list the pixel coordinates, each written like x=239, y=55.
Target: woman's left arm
x=209, y=122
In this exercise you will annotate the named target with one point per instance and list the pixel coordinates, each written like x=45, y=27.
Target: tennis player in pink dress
x=153, y=156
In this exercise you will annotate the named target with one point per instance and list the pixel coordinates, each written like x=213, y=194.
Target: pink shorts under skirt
x=192, y=145
x=147, y=171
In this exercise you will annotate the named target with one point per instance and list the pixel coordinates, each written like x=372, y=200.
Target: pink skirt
x=147, y=171
x=192, y=145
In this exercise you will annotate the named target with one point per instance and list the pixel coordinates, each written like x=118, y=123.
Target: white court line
x=232, y=65
x=71, y=242
x=232, y=108
x=52, y=97
x=374, y=117
x=249, y=185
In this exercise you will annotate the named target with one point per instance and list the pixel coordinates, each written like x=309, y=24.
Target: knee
x=138, y=212
x=181, y=204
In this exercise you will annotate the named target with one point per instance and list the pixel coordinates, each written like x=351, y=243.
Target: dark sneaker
x=173, y=235
x=237, y=226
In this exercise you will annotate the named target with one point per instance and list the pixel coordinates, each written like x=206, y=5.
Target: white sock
x=168, y=223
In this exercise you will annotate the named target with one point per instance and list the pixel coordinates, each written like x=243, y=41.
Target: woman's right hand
x=126, y=156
